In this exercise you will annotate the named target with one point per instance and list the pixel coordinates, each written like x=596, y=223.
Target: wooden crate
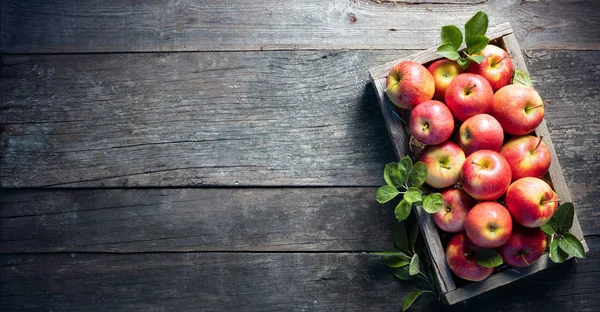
x=501, y=35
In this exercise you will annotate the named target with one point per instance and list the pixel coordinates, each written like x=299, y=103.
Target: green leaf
x=405, y=167
x=433, y=202
x=413, y=195
x=410, y=299
x=562, y=220
x=521, y=77
x=571, y=245
x=557, y=255
x=547, y=229
x=448, y=51
x=418, y=175
x=463, y=63
x=477, y=25
x=400, y=237
x=476, y=44
x=402, y=210
x=402, y=273
x=452, y=35
x=391, y=253
x=477, y=58
x=395, y=262
x=414, y=234
x=414, y=265
x=386, y=193
x=391, y=175
x=488, y=258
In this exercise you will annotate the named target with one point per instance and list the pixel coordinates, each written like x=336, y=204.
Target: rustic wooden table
x=224, y=155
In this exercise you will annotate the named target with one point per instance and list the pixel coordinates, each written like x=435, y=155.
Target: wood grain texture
x=151, y=220
x=259, y=282
x=191, y=119
x=40, y=26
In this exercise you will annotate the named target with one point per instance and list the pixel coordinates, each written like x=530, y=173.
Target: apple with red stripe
x=524, y=247
x=431, y=122
x=461, y=257
x=531, y=201
x=497, y=67
x=451, y=217
x=488, y=224
x=408, y=84
x=485, y=175
x=528, y=156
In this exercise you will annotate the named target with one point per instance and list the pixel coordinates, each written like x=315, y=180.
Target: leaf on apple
x=418, y=175
x=477, y=58
x=452, y=35
x=476, y=44
x=477, y=25
x=448, y=51
x=547, y=229
x=402, y=210
x=488, y=258
x=571, y=245
x=433, y=202
x=557, y=255
x=562, y=220
x=386, y=193
x=521, y=77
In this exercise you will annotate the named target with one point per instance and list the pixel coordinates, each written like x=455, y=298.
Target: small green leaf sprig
x=563, y=244
x=475, y=40
x=406, y=263
x=409, y=178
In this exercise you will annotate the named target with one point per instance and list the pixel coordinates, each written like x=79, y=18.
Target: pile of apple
x=489, y=170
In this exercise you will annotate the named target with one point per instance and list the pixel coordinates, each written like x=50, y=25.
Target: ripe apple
x=409, y=84
x=480, y=132
x=518, y=108
x=485, y=175
x=443, y=71
x=524, y=247
x=497, y=67
x=488, y=224
x=469, y=95
x=431, y=122
x=460, y=255
x=451, y=217
x=531, y=201
x=443, y=163
x=528, y=156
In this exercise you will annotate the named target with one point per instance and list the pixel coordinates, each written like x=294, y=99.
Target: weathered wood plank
x=200, y=119
x=40, y=26
x=260, y=282
x=289, y=219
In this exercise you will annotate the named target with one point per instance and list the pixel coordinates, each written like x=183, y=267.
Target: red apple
x=480, y=132
x=443, y=71
x=469, y=95
x=488, y=224
x=531, y=201
x=497, y=67
x=524, y=247
x=409, y=84
x=431, y=122
x=443, y=163
x=528, y=156
x=518, y=108
x=485, y=175
x=451, y=217
x=460, y=255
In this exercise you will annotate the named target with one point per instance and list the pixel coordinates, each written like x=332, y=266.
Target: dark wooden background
x=224, y=155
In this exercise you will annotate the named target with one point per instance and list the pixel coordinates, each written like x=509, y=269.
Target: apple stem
x=474, y=163
x=533, y=107
x=425, y=126
x=470, y=88
x=496, y=63
x=445, y=167
x=523, y=257
x=538, y=144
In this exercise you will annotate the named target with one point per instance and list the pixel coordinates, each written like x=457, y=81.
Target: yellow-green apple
x=497, y=67
x=480, y=132
x=460, y=255
x=443, y=71
x=443, y=163
x=431, y=122
x=528, y=156
x=409, y=84
x=531, y=201
x=518, y=108
x=451, y=218
x=469, y=95
x=488, y=224
x=485, y=175
x=524, y=247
